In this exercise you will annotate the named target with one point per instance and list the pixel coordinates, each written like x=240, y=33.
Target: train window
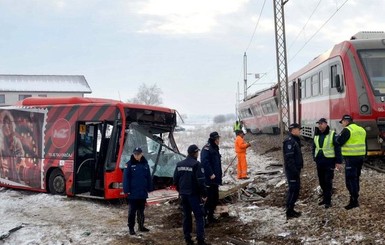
x=336, y=77
x=320, y=82
x=249, y=112
x=303, y=87
x=290, y=94
x=333, y=73
x=315, y=85
x=255, y=110
x=308, y=87
x=374, y=63
x=269, y=107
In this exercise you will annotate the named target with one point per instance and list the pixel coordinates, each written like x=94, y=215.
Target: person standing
x=240, y=149
x=189, y=180
x=293, y=162
x=352, y=140
x=237, y=126
x=326, y=153
x=211, y=160
x=136, y=184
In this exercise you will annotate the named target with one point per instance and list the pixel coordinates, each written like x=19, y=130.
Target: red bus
x=79, y=146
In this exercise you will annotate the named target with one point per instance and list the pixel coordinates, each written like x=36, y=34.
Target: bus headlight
x=116, y=185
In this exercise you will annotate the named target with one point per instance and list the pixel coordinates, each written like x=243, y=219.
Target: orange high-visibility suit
x=240, y=148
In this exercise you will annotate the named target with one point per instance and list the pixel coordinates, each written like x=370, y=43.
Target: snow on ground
x=46, y=219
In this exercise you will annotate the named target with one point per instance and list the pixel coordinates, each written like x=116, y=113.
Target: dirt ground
x=363, y=225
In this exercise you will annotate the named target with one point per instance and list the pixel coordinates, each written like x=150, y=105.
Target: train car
x=347, y=79
x=259, y=112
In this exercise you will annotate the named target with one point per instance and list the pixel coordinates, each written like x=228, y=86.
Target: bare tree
x=148, y=95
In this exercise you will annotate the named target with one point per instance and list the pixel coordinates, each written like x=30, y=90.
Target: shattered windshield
x=374, y=63
x=157, y=149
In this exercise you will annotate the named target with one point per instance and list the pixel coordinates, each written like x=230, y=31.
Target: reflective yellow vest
x=237, y=126
x=328, y=146
x=355, y=146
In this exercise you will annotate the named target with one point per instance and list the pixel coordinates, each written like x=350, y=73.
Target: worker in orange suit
x=240, y=148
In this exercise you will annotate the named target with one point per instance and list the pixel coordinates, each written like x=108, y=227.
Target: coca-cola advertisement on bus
x=21, y=147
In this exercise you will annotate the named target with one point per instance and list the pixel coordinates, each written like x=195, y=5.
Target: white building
x=14, y=88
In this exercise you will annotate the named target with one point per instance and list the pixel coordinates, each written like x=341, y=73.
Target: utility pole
x=245, y=76
x=283, y=84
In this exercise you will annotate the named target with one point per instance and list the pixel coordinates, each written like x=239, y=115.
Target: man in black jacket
x=211, y=160
x=326, y=153
x=292, y=156
x=189, y=180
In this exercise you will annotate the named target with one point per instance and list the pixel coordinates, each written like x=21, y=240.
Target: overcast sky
x=192, y=49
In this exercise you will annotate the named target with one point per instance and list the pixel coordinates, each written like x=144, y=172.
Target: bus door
x=96, y=152
x=85, y=158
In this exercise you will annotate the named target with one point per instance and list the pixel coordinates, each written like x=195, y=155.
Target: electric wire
x=307, y=22
x=256, y=26
x=318, y=30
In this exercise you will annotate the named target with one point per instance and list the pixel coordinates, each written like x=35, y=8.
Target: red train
x=259, y=112
x=348, y=79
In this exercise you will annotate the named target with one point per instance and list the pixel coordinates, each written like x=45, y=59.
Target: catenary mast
x=280, y=44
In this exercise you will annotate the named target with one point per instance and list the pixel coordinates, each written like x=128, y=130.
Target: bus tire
x=56, y=182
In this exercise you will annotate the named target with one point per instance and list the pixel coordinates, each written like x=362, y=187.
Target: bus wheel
x=57, y=184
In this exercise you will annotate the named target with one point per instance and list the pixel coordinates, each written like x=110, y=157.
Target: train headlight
x=364, y=108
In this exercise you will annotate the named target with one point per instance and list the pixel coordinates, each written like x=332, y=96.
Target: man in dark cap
x=352, y=140
x=326, y=153
x=293, y=160
x=189, y=180
x=211, y=160
x=136, y=185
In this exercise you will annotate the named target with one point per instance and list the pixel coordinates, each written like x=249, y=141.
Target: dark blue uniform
x=292, y=156
x=326, y=166
x=353, y=167
x=137, y=183
x=189, y=180
x=211, y=160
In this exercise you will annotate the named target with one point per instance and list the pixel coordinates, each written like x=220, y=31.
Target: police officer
x=189, y=180
x=293, y=160
x=136, y=185
x=211, y=160
x=326, y=154
x=353, y=147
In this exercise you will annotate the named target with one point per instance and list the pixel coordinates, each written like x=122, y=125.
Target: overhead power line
x=256, y=26
x=318, y=30
x=304, y=26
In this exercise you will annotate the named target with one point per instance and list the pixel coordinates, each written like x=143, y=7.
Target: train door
x=295, y=100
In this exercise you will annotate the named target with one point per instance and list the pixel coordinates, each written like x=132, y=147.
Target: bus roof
x=44, y=101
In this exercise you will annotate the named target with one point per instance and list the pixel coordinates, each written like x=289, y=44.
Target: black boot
x=140, y=219
x=202, y=242
x=291, y=213
x=353, y=203
x=132, y=231
x=189, y=242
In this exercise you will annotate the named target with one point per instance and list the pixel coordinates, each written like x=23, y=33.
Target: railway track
x=375, y=164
